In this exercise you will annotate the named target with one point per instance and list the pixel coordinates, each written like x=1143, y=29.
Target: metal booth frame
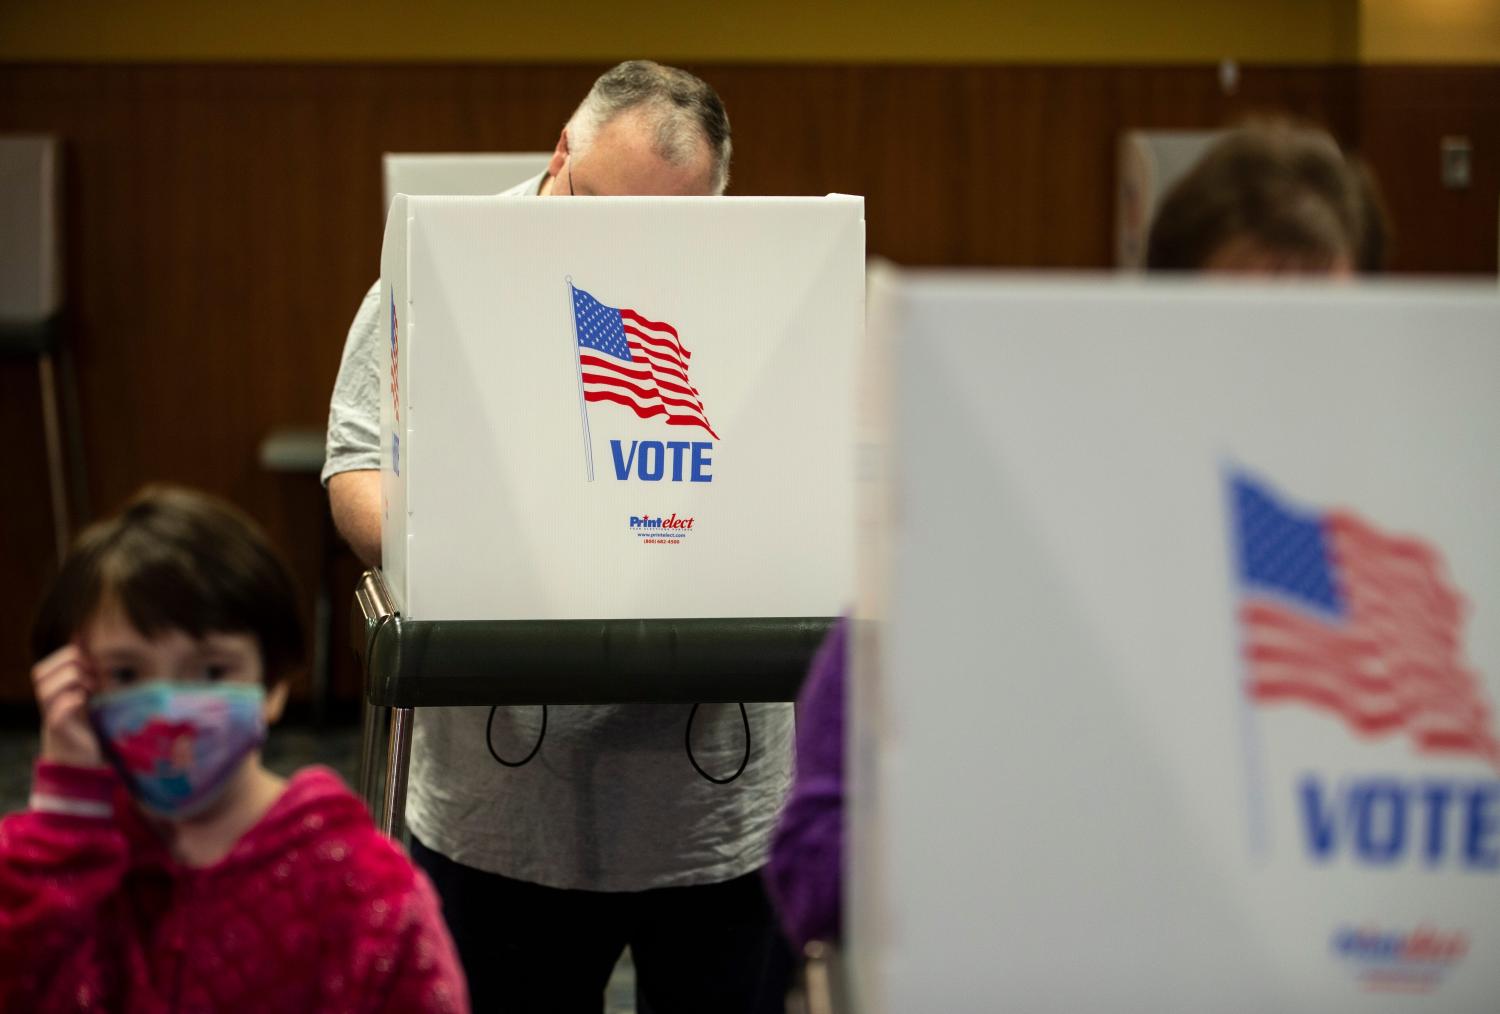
x=410, y=664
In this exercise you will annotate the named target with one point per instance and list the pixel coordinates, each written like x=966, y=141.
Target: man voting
x=541, y=901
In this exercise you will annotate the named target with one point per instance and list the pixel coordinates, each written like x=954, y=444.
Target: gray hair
x=684, y=111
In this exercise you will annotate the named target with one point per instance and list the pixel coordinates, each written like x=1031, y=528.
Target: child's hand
x=63, y=681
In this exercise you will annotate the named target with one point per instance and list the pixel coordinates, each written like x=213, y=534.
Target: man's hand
x=354, y=498
x=63, y=681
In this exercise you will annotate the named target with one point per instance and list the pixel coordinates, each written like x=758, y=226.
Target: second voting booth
x=1177, y=636
x=615, y=443
x=1177, y=650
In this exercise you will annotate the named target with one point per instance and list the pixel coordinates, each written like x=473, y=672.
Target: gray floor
x=289, y=749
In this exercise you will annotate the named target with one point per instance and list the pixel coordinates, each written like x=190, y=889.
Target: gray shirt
x=611, y=801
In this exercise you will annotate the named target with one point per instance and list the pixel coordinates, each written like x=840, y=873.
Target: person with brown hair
x=160, y=866
x=1267, y=199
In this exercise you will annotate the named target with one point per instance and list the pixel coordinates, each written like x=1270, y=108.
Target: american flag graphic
x=642, y=364
x=395, y=363
x=1340, y=616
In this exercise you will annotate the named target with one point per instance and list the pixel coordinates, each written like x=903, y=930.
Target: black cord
x=744, y=761
x=541, y=733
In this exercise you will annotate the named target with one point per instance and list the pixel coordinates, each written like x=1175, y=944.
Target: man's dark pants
x=708, y=949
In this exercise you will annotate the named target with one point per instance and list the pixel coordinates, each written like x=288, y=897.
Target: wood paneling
x=1406, y=113
x=223, y=222
x=26, y=540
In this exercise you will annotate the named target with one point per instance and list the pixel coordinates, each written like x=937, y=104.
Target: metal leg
x=822, y=975
x=372, y=608
x=393, y=817
x=375, y=735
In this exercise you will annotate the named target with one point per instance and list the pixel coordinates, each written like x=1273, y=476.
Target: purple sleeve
x=805, y=873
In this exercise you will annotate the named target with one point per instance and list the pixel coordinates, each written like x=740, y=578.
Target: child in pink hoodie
x=160, y=866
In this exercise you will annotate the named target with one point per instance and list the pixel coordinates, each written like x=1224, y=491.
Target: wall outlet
x=1457, y=155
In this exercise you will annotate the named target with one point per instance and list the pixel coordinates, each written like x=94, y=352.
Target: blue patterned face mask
x=178, y=744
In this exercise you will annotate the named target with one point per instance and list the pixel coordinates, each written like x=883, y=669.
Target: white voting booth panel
x=1178, y=650
x=620, y=407
x=1148, y=163
x=458, y=173
x=30, y=234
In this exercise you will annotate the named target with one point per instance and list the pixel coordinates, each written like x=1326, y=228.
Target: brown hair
x=1286, y=189
x=176, y=558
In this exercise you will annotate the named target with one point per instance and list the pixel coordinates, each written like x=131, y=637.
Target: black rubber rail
x=436, y=663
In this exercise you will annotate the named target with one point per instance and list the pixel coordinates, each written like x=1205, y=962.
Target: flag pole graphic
x=1250, y=744
x=588, y=440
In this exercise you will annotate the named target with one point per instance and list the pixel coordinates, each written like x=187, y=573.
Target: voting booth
x=616, y=450
x=620, y=407
x=1177, y=653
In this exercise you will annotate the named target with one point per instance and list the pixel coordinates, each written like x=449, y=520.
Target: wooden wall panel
x=223, y=222
x=26, y=539
x=1406, y=113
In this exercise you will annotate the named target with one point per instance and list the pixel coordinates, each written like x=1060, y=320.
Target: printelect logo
x=1399, y=961
x=663, y=530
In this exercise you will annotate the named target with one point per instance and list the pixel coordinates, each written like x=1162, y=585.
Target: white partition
x=1178, y=650
x=31, y=284
x=1148, y=163
x=621, y=407
x=458, y=173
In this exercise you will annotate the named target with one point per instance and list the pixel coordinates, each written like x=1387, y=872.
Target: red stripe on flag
x=648, y=412
x=655, y=325
x=679, y=389
x=616, y=365
x=666, y=348
x=645, y=394
x=641, y=393
x=1371, y=723
x=644, y=411
x=658, y=363
x=1365, y=536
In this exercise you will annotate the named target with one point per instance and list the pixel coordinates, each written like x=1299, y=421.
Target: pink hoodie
x=312, y=910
